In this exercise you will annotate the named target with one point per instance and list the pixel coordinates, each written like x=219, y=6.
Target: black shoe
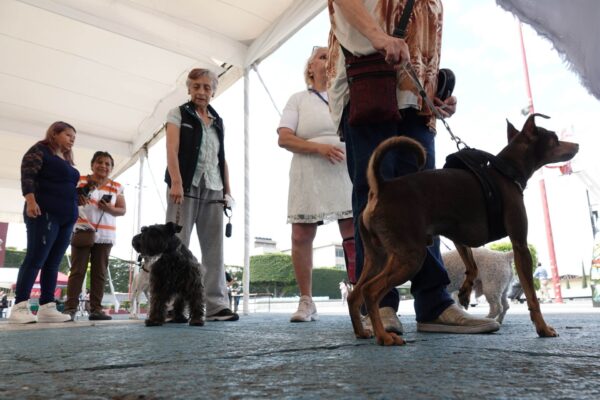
x=224, y=315
x=99, y=316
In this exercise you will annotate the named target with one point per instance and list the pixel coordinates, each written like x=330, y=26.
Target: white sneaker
x=307, y=311
x=20, y=314
x=49, y=313
x=389, y=319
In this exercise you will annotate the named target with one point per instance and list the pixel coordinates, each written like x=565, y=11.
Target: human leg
x=47, y=311
x=39, y=242
x=79, y=262
x=63, y=229
x=302, y=252
x=361, y=141
x=209, y=227
x=98, y=266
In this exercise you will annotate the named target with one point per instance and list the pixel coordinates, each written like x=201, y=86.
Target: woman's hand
x=332, y=153
x=32, y=209
x=105, y=206
x=446, y=108
x=176, y=192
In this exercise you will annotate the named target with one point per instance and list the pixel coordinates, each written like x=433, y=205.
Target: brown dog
x=403, y=214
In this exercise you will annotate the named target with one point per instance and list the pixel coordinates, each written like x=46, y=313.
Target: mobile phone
x=106, y=198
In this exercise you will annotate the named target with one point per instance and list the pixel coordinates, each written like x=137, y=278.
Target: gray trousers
x=208, y=218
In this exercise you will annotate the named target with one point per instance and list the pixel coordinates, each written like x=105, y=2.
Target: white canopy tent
x=113, y=68
x=573, y=29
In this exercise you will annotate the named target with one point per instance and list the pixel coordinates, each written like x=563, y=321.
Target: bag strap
x=318, y=94
x=400, y=29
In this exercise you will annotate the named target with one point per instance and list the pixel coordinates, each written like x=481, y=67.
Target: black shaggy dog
x=176, y=275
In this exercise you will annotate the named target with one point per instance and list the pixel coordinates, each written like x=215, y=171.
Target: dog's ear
x=529, y=127
x=511, y=131
x=178, y=228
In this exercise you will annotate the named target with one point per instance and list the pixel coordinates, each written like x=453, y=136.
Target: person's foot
x=48, y=313
x=389, y=319
x=455, y=320
x=306, y=312
x=224, y=315
x=71, y=313
x=99, y=316
x=20, y=314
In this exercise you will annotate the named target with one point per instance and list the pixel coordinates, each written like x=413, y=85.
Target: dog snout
x=136, y=242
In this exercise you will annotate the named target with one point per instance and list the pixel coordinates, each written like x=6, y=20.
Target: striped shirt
x=92, y=217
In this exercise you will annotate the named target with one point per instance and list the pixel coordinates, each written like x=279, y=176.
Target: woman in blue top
x=48, y=181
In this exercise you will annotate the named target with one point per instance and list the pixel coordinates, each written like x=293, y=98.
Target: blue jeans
x=428, y=286
x=48, y=237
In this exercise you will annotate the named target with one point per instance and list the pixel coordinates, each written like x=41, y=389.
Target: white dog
x=140, y=284
x=494, y=274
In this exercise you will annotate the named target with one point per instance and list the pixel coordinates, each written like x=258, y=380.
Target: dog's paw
x=178, y=319
x=199, y=322
x=390, y=339
x=365, y=334
x=547, y=331
x=150, y=322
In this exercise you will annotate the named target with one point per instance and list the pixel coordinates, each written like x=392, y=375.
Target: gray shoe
x=389, y=319
x=455, y=320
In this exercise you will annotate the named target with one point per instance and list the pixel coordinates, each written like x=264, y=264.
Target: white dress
x=319, y=190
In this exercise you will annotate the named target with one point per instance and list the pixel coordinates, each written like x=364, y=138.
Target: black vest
x=190, y=138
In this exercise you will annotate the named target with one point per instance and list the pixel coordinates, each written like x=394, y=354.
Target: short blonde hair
x=307, y=78
x=199, y=72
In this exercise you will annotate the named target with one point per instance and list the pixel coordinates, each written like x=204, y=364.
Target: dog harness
x=480, y=163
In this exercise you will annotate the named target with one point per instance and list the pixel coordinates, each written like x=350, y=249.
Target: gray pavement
x=263, y=356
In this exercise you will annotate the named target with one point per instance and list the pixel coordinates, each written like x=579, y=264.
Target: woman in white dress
x=320, y=188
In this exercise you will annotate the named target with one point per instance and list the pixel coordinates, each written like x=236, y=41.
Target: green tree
x=271, y=273
x=507, y=246
x=14, y=258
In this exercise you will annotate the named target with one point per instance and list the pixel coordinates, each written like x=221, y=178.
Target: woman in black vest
x=198, y=178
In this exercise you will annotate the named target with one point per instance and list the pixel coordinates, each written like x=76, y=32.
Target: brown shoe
x=99, y=316
x=455, y=320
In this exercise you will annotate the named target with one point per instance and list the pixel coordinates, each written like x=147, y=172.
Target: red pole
x=549, y=238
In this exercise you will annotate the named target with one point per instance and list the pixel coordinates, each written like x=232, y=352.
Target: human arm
x=117, y=210
x=176, y=190
x=31, y=165
x=394, y=49
x=289, y=141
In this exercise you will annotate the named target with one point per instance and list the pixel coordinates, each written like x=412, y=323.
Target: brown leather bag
x=83, y=238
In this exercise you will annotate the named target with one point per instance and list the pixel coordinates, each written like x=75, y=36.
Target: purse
x=83, y=238
x=372, y=82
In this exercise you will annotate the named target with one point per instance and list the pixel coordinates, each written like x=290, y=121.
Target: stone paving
x=263, y=356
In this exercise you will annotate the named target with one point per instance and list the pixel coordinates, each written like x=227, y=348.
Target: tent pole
x=136, y=267
x=246, y=276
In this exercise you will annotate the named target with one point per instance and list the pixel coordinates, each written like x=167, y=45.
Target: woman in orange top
x=101, y=201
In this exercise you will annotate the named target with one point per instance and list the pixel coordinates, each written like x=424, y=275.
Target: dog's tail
x=374, y=176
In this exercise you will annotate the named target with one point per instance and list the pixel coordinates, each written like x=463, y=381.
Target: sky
x=481, y=45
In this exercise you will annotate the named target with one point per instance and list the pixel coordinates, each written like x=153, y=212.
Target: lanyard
x=318, y=94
